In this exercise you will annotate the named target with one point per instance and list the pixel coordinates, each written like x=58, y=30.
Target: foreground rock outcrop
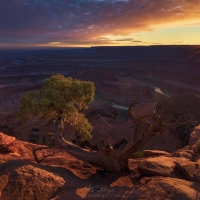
x=173, y=167
x=160, y=175
x=168, y=188
x=19, y=180
x=9, y=145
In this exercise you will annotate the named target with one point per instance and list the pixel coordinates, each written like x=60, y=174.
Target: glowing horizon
x=84, y=23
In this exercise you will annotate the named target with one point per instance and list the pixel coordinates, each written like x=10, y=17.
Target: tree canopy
x=60, y=99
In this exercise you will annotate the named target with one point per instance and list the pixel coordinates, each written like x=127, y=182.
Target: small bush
x=138, y=154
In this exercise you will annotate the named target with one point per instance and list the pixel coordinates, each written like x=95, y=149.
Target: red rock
x=28, y=182
x=151, y=153
x=166, y=188
x=194, y=138
x=169, y=167
x=6, y=140
x=189, y=154
x=62, y=175
x=187, y=169
x=161, y=166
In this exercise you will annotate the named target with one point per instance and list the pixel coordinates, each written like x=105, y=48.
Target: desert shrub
x=138, y=154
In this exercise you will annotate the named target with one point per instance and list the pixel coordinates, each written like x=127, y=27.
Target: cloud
x=124, y=39
x=81, y=21
x=136, y=41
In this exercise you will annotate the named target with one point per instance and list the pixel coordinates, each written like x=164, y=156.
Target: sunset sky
x=65, y=23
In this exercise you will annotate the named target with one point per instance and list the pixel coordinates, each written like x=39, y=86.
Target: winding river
x=156, y=89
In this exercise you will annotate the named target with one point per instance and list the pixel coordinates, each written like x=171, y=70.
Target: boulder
x=157, y=166
x=168, y=188
x=10, y=145
x=189, y=154
x=188, y=169
x=181, y=168
x=28, y=182
x=5, y=140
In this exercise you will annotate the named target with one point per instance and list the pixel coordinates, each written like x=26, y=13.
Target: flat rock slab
x=157, y=166
x=151, y=153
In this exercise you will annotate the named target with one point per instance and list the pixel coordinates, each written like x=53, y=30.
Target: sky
x=85, y=23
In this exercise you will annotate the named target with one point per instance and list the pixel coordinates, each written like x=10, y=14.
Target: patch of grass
x=138, y=154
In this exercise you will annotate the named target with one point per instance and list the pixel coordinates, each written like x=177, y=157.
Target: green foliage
x=60, y=99
x=138, y=154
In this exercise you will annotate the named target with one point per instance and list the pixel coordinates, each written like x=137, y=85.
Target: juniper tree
x=60, y=99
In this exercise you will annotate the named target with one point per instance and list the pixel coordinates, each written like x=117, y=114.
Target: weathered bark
x=107, y=159
x=59, y=126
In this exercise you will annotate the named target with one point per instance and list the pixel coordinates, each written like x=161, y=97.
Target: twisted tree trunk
x=59, y=126
x=106, y=158
x=109, y=160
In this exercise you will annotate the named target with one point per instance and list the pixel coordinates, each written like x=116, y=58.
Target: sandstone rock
x=10, y=145
x=189, y=154
x=168, y=188
x=21, y=179
x=151, y=188
x=151, y=153
x=162, y=166
x=5, y=140
x=169, y=167
x=194, y=138
x=28, y=183
x=188, y=169
x=197, y=175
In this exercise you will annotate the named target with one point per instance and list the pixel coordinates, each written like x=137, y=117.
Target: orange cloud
x=86, y=22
